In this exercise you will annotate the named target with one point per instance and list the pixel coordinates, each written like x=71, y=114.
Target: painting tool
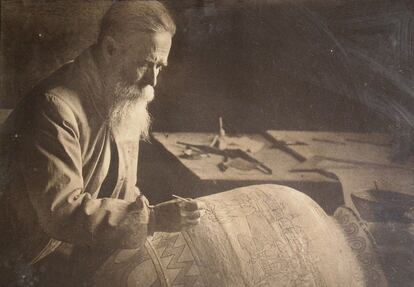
x=181, y=198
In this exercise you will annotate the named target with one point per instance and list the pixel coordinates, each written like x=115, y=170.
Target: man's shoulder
x=66, y=89
x=61, y=87
x=53, y=97
x=62, y=95
x=66, y=93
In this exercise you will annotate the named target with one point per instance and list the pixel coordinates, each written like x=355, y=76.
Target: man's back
x=58, y=147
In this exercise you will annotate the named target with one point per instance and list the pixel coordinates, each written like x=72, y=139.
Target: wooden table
x=162, y=167
x=360, y=161
x=357, y=147
x=357, y=159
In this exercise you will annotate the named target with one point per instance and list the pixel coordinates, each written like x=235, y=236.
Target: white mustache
x=133, y=92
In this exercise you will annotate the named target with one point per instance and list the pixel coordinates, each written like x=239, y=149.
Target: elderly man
x=72, y=148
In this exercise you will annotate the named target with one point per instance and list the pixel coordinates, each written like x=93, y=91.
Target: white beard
x=129, y=114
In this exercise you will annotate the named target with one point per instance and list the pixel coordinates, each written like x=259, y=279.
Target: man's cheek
x=130, y=75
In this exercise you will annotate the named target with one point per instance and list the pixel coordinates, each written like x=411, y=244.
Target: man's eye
x=142, y=65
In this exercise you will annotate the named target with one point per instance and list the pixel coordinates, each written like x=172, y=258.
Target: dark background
x=342, y=65
x=300, y=65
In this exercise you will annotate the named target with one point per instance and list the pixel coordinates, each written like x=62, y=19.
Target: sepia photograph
x=207, y=143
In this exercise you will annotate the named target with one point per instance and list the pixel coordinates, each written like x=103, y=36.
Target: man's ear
x=109, y=48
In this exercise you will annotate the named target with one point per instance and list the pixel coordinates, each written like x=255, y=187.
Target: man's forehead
x=147, y=44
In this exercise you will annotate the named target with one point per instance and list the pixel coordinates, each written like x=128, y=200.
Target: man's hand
x=177, y=214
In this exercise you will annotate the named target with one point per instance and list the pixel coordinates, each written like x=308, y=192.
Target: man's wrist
x=143, y=203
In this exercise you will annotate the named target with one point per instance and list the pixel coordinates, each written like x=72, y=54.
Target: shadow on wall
x=309, y=65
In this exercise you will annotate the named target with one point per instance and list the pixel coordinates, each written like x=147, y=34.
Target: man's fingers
x=192, y=205
x=178, y=214
x=190, y=214
x=190, y=222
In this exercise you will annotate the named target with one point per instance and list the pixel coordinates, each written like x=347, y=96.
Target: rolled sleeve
x=51, y=163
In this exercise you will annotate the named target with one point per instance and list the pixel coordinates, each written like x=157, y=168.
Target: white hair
x=126, y=18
